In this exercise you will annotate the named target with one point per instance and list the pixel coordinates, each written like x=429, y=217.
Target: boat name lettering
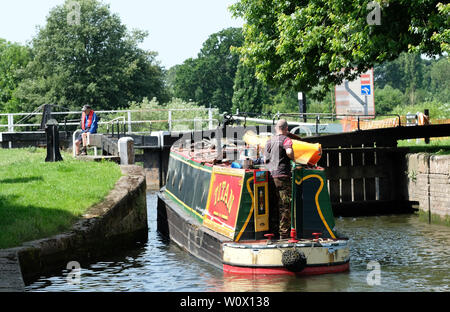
x=223, y=193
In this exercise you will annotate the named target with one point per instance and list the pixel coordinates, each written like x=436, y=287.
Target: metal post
x=210, y=116
x=317, y=124
x=160, y=157
x=46, y=115
x=366, y=106
x=170, y=120
x=52, y=133
x=302, y=105
x=10, y=123
x=129, y=122
x=426, y=112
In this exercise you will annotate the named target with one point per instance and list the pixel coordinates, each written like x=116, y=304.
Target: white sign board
x=356, y=97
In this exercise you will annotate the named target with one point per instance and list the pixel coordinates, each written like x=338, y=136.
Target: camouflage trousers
x=283, y=188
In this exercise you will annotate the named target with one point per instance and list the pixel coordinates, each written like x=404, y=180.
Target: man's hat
x=86, y=107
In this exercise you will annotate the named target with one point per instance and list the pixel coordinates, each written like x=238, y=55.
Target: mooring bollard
x=426, y=121
x=126, y=150
x=52, y=132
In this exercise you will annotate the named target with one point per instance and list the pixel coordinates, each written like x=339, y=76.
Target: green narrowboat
x=227, y=217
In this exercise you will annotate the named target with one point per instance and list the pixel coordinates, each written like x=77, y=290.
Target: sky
x=177, y=28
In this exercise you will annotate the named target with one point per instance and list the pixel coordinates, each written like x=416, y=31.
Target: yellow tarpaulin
x=304, y=153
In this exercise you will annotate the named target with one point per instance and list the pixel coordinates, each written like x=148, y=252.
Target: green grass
x=436, y=146
x=39, y=199
x=433, y=218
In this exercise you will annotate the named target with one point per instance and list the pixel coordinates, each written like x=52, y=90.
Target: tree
x=440, y=80
x=209, y=78
x=419, y=79
x=319, y=43
x=390, y=73
x=185, y=80
x=250, y=95
x=387, y=99
x=13, y=58
x=90, y=58
x=283, y=101
x=412, y=76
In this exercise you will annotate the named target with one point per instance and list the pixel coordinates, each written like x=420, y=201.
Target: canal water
x=388, y=253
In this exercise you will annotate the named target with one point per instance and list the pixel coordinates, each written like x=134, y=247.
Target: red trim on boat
x=313, y=270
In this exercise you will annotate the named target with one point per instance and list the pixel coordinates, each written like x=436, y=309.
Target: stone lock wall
x=428, y=182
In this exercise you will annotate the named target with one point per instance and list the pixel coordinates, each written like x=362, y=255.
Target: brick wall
x=428, y=182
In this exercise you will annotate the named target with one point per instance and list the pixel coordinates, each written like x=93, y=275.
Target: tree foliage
x=319, y=43
x=209, y=78
x=13, y=58
x=250, y=94
x=285, y=47
x=412, y=81
x=440, y=80
x=387, y=99
x=95, y=60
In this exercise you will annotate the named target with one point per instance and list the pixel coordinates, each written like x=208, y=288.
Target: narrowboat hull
x=227, y=217
x=247, y=257
x=188, y=233
x=266, y=258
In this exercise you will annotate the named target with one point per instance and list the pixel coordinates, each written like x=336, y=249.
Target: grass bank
x=39, y=199
x=437, y=146
x=433, y=218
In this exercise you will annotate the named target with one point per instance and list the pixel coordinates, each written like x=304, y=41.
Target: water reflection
x=283, y=283
x=413, y=256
